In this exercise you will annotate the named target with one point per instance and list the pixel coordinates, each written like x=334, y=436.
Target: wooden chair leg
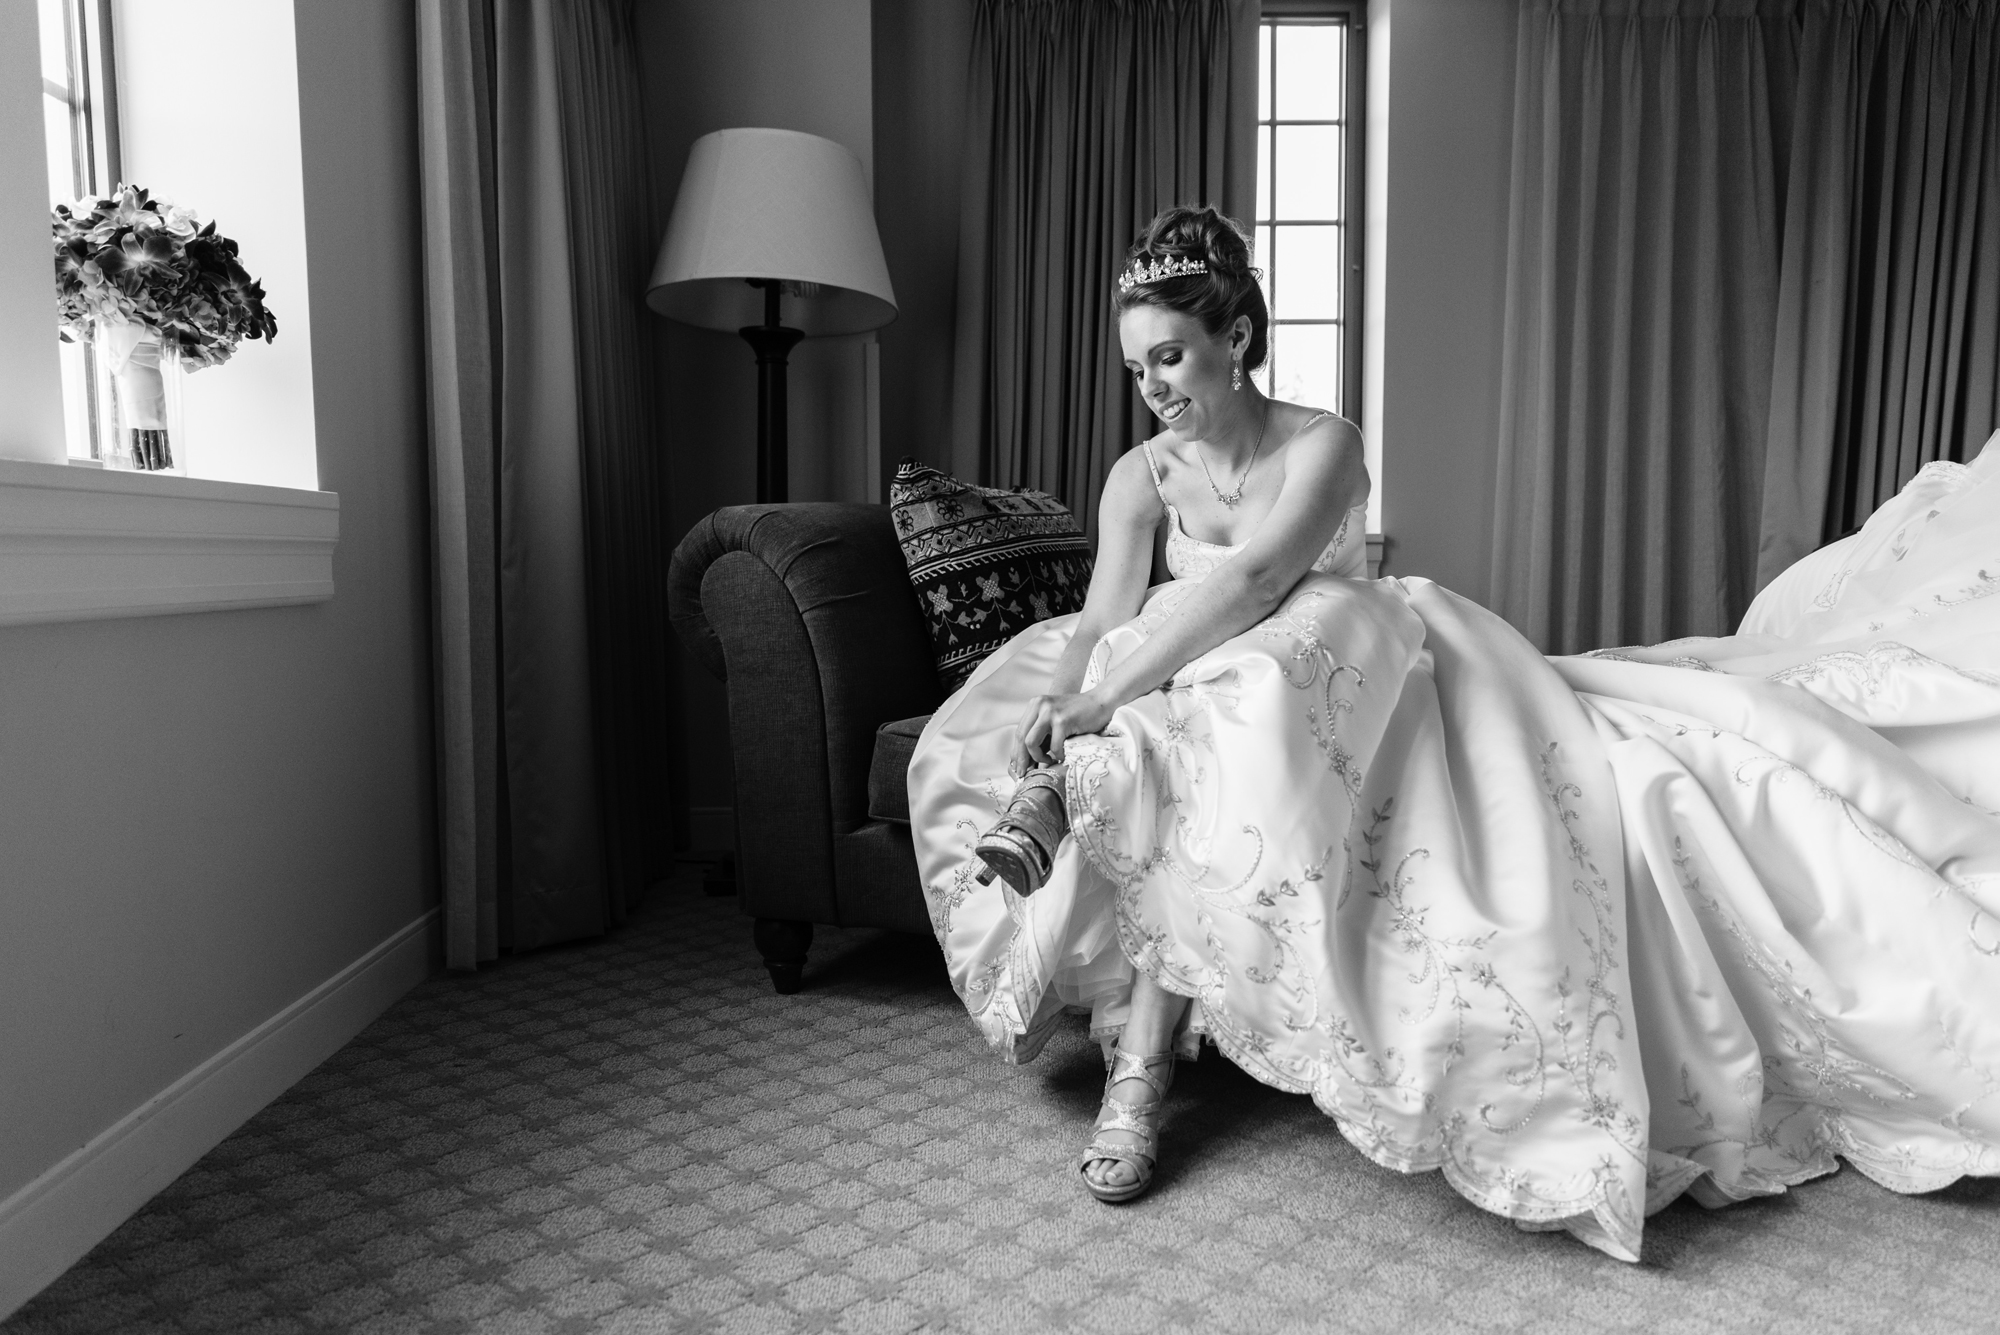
x=783, y=945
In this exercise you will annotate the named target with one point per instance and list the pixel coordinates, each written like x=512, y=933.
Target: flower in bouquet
x=132, y=258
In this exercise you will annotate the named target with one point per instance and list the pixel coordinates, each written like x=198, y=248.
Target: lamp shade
x=773, y=204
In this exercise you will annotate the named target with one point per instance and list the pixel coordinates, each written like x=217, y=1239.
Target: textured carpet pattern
x=638, y=1135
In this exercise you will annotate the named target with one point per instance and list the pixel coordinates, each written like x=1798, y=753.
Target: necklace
x=1233, y=498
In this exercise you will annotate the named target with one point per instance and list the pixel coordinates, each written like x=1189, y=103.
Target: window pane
x=1311, y=285
x=1308, y=171
x=55, y=109
x=1263, y=173
x=1308, y=364
x=55, y=54
x=55, y=133
x=1263, y=71
x=85, y=381
x=1312, y=66
x=76, y=398
x=1260, y=256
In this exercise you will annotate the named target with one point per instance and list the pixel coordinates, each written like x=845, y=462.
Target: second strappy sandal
x=1139, y=1119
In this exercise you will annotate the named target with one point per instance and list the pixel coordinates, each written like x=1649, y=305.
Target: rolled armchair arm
x=806, y=611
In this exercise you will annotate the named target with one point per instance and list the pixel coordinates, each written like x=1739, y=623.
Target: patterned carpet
x=638, y=1135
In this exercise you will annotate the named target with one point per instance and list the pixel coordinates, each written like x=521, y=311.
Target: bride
x=1582, y=933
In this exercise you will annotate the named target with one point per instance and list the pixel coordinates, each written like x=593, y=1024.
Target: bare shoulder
x=1327, y=447
x=1129, y=493
x=1131, y=473
x=1305, y=425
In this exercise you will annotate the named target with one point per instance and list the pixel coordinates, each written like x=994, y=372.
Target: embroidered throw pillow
x=986, y=563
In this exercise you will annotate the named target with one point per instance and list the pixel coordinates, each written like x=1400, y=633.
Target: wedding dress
x=1582, y=933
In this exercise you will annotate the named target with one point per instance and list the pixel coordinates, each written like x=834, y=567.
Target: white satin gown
x=1582, y=933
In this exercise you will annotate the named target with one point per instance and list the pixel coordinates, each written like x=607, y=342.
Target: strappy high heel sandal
x=1022, y=847
x=1139, y=1119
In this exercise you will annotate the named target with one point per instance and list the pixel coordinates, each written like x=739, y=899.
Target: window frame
x=1353, y=15
x=93, y=69
x=91, y=94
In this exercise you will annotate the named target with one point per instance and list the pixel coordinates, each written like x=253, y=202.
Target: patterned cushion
x=986, y=563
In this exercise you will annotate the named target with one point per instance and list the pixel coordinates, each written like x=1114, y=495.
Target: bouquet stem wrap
x=137, y=364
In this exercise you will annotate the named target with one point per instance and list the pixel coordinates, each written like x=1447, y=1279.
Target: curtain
x=1641, y=287
x=1751, y=288
x=1084, y=118
x=1889, y=309
x=548, y=553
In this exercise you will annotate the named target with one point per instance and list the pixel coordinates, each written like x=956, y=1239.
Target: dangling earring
x=1236, y=374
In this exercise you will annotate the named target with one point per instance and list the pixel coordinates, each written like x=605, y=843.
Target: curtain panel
x=1750, y=290
x=1641, y=288
x=1888, y=352
x=1084, y=118
x=548, y=556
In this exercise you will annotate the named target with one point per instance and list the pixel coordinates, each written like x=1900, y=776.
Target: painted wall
x=795, y=65
x=205, y=816
x=31, y=421
x=1443, y=284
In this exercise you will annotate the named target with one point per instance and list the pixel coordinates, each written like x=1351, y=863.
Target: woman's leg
x=1156, y=1014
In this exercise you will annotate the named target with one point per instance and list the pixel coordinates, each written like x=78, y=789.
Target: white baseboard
x=50, y=1224
x=712, y=829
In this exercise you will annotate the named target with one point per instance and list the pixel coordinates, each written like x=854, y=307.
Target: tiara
x=1159, y=271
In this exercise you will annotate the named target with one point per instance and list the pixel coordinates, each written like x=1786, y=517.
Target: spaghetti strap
x=1311, y=422
x=1154, y=468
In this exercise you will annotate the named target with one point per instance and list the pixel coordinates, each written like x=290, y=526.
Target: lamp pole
x=772, y=343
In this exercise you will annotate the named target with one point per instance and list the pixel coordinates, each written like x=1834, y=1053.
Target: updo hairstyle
x=1215, y=298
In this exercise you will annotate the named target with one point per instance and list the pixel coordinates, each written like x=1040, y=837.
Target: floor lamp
x=771, y=224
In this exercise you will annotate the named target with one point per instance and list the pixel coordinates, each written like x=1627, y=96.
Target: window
x=80, y=118
x=96, y=542
x=1311, y=67
x=118, y=106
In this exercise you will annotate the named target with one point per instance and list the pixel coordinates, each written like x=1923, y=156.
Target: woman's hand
x=1052, y=720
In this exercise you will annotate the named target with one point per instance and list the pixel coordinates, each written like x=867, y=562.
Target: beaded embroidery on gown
x=1582, y=933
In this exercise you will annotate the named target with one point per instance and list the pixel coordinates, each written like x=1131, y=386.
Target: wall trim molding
x=52, y=1222
x=85, y=543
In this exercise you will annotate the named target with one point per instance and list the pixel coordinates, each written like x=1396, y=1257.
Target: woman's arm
x=1325, y=476
x=1128, y=515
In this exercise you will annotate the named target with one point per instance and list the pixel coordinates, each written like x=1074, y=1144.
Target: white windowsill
x=84, y=543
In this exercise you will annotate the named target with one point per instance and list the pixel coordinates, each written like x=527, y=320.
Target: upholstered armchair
x=807, y=613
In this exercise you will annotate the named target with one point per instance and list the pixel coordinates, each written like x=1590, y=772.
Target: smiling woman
x=1363, y=837
x=1191, y=318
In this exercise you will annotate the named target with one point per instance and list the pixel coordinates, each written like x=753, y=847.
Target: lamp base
x=772, y=344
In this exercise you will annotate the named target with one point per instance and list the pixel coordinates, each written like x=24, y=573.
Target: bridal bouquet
x=134, y=260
